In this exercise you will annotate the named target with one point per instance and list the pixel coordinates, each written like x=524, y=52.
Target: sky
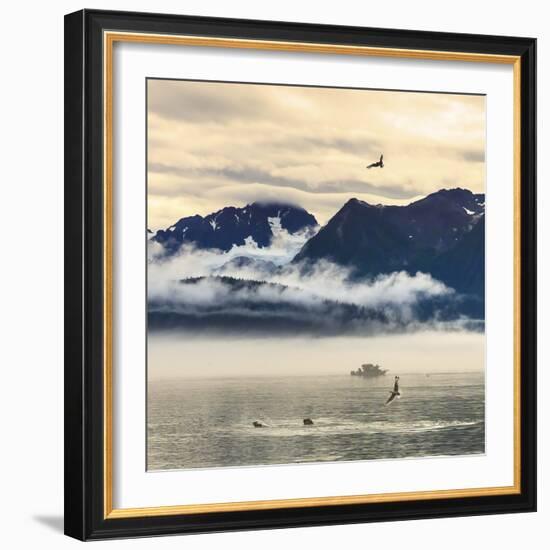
x=212, y=145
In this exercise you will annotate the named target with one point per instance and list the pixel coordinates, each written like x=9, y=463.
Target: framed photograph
x=300, y=274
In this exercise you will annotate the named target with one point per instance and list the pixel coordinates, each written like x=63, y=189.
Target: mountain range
x=232, y=226
x=442, y=235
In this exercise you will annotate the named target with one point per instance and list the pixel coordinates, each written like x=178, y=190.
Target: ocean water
x=205, y=423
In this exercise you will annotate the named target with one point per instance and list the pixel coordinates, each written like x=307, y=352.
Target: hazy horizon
x=200, y=356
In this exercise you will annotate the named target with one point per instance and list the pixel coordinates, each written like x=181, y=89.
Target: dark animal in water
x=379, y=164
x=308, y=422
x=257, y=424
x=395, y=392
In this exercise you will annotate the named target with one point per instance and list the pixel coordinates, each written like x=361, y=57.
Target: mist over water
x=184, y=355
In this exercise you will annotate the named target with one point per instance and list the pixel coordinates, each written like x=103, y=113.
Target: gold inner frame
x=109, y=39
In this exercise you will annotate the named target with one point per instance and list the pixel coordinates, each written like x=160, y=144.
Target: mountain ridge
x=380, y=239
x=232, y=226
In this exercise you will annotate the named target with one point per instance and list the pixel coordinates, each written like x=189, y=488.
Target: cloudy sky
x=212, y=145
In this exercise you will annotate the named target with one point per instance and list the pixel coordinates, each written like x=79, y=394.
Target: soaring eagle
x=379, y=164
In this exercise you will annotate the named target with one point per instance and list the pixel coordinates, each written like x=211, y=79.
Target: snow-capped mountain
x=370, y=269
x=232, y=226
x=441, y=234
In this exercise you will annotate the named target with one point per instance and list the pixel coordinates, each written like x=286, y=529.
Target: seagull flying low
x=395, y=392
x=379, y=164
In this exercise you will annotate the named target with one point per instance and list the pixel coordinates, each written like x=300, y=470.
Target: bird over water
x=395, y=393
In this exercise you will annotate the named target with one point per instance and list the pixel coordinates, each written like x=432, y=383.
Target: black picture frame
x=84, y=282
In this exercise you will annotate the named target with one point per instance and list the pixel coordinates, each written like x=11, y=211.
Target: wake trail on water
x=326, y=426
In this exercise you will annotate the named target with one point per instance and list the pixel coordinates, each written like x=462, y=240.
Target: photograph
x=315, y=274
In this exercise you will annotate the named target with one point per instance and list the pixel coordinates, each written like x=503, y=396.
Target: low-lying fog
x=172, y=356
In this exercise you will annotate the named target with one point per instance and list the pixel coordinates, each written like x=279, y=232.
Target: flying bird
x=379, y=164
x=395, y=393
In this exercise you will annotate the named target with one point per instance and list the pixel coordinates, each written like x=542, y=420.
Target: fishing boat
x=369, y=371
